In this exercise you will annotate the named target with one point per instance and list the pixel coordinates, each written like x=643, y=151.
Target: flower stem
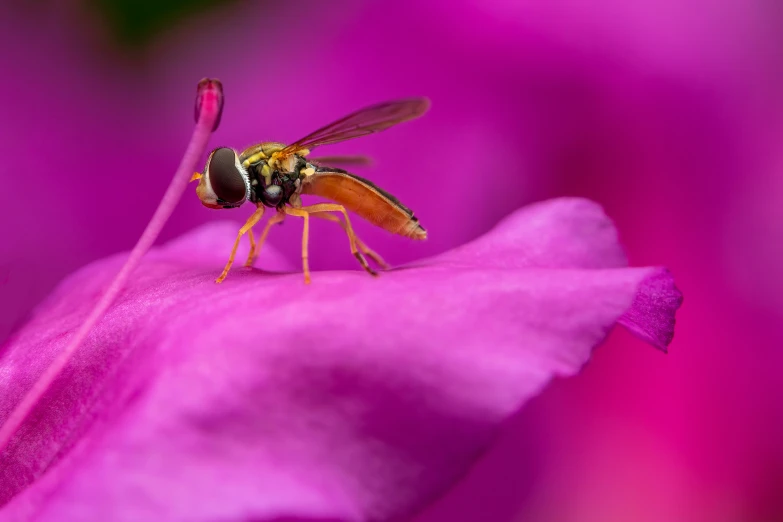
x=209, y=106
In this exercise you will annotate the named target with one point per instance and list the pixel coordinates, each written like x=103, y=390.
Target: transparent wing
x=363, y=122
x=342, y=161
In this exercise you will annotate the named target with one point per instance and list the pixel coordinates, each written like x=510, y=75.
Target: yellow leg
x=359, y=243
x=252, y=239
x=305, y=235
x=252, y=220
x=251, y=257
x=331, y=207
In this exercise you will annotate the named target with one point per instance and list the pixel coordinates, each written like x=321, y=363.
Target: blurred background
x=667, y=112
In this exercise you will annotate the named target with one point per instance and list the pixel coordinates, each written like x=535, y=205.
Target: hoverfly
x=274, y=175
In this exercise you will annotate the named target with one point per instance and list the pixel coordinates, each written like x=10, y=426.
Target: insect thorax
x=273, y=187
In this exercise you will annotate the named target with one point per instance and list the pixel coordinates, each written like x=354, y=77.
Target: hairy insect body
x=274, y=184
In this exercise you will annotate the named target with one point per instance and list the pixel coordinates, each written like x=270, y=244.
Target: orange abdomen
x=365, y=199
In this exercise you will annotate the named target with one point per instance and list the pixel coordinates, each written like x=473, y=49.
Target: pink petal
x=650, y=316
x=353, y=398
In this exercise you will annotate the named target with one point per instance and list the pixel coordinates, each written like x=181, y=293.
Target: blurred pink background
x=668, y=113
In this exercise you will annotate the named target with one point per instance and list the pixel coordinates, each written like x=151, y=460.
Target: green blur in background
x=135, y=23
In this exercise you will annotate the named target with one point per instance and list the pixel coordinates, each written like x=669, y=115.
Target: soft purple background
x=668, y=113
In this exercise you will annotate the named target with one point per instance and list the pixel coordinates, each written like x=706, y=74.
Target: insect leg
x=252, y=239
x=359, y=243
x=331, y=207
x=251, y=257
x=252, y=220
x=305, y=237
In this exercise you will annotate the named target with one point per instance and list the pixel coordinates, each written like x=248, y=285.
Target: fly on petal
x=353, y=398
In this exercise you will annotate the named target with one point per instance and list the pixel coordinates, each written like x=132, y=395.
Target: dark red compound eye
x=226, y=180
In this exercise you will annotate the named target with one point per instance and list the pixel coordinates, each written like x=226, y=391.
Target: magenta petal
x=353, y=398
x=559, y=233
x=651, y=316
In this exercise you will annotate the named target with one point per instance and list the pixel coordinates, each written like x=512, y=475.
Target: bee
x=275, y=175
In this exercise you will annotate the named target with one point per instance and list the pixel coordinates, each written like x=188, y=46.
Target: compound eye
x=225, y=178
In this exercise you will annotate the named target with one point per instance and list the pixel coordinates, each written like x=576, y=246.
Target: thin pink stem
x=209, y=105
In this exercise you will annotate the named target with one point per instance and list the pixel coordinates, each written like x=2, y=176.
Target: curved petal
x=353, y=398
x=650, y=317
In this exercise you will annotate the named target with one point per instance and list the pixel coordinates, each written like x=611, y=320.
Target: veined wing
x=369, y=120
x=341, y=161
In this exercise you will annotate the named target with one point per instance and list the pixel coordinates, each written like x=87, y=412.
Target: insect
x=271, y=174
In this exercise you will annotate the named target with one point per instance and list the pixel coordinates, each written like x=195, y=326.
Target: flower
x=353, y=398
x=559, y=112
